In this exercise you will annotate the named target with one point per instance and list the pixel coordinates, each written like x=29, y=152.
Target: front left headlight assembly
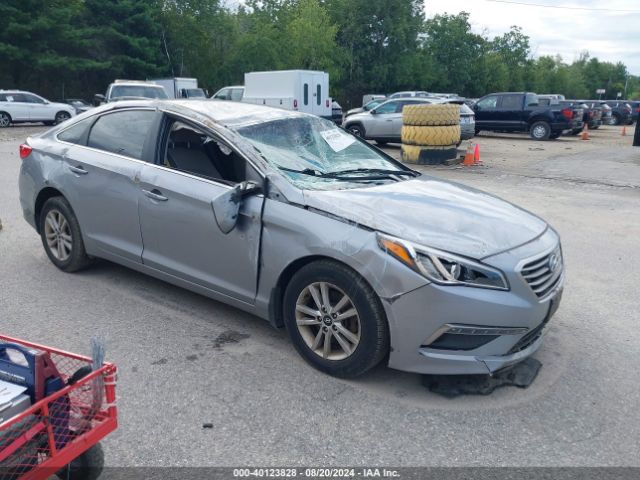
x=441, y=267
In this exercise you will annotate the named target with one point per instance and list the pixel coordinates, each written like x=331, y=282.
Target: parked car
x=592, y=116
x=366, y=107
x=233, y=93
x=286, y=216
x=606, y=116
x=17, y=106
x=78, y=104
x=621, y=113
x=131, y=90
x=384, y=122
x=410, y=94
x=336, y=113
x=522, y=112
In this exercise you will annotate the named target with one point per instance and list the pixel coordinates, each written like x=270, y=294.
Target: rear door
x=306, y=93
x=509, y=112
x=380, y=123
x=321, y=105
x=18, y=107
x=103, y=167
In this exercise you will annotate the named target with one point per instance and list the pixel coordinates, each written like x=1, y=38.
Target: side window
x=17, y=97
x=236, y=94
x=32, y=99
x=122, y=132
x=305, y=96
x=511, y=102
x=193, y=151
x=3, y=97
x=318, y=94
x=389, y=107
x=404, y=103
x=223, y=94
x=488, y=103
x=77, y=133
x=533, y=101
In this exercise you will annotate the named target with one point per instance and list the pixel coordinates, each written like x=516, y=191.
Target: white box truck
x=301, y=90
x=181, y=87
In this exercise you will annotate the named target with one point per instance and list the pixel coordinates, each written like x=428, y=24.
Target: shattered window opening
x=305, y=148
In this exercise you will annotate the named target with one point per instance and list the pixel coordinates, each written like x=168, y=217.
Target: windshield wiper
x=377, y=171
x=304, y=171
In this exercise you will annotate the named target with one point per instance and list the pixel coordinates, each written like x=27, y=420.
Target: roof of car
x=220, y=111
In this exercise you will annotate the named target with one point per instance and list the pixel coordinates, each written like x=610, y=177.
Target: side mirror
x=373, y=112
x=99, y=99
x=227, y=205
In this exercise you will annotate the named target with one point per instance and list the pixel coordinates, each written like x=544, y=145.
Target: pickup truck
x=621, y=112
x=522, y=112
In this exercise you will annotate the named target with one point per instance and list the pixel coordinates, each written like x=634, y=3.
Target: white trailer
x=300, y=90
x=181, y=87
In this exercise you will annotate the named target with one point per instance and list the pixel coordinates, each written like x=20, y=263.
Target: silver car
x=284, y=215
x=383, y=123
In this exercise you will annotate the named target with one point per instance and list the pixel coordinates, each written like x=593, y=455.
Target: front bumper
x=415, y=317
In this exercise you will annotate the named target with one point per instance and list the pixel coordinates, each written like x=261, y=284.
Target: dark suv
x=522, y=112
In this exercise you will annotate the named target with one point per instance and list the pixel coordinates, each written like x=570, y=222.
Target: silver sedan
x=286, y=216
x=383, y=122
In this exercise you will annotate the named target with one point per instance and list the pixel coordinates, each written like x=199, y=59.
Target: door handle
x=155, y=195
x=79, y=170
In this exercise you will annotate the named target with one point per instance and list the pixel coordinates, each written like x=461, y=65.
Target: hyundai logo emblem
x=554, y=262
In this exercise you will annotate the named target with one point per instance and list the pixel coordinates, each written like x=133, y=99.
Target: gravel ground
x=186, y=360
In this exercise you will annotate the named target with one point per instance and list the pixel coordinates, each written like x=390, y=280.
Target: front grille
x=544, y=273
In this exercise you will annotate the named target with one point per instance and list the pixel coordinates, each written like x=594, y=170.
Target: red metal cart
x=60, y=433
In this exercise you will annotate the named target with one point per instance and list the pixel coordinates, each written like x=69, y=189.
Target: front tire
x=61, y=236
x=62, y=117
x=540, y=131
x=357, y=130
x=87, y=466
x=335, y=320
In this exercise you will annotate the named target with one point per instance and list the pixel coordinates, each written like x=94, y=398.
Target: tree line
x=75, y=48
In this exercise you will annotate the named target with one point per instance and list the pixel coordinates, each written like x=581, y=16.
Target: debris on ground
x=520, y=375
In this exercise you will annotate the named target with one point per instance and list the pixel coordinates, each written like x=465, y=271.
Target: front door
x=179, y=229
x=486, y=110
x=381, y=123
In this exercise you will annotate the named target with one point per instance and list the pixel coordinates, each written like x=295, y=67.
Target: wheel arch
x=539, y=118
x=276, y=297
x=44, y=195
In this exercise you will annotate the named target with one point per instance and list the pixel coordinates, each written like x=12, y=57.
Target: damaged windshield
x=314, y=153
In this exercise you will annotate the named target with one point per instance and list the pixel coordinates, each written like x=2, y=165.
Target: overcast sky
x=606, y=34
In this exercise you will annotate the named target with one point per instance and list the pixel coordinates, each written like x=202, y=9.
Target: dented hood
x=434, y=213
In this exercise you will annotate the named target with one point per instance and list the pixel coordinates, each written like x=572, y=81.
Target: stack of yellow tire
x=430, y=133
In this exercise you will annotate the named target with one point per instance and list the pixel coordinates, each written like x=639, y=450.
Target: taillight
x=327, y=103
x=25, y=151
x=568, y=113
x=638, y=109
x=628, y=110
x=295, y=103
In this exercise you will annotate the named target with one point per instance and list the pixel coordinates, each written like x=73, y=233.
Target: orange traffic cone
x=468, y=156
x=476, y=155
x=624, y=131
x=585, y=132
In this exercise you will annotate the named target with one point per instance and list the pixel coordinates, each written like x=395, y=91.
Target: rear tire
x=5, y=120
x=540, y=131
x=61, y=236
x=381, y=143
x=350, y=314
x=615, y=119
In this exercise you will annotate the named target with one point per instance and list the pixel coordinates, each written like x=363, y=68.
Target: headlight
x=441, y=267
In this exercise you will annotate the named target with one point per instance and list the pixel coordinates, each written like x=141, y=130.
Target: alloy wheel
x=356, y=131
x=58, y=234
x=4, y=120
x=328, y=321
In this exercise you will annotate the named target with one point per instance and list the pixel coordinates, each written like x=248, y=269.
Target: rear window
x=123, y=132
x=138, y=91
x=76, y=133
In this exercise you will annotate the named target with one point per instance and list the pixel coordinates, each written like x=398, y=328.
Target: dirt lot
x=268, y=407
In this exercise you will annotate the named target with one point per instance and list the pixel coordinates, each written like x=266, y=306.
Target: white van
x=180, y=87
x=301, y=90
